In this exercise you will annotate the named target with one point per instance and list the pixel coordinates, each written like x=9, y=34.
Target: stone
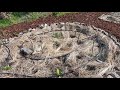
x=31, y=29
x=109, y=76
x=21, y=33
x=5, y=41
x=41, y=26
x=72, y=34
x=25, y=51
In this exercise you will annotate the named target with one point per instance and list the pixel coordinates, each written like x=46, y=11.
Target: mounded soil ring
x=75, y=49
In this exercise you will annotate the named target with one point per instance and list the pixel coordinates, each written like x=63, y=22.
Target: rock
x=3, y=15
x=21, y=33
x=41, y=26
x=31, y=29
x=5, y=41
x=25, y=51
x=109, y=76
x=72, y=34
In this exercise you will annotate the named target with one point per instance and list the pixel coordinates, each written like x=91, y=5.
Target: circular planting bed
x=64, y=50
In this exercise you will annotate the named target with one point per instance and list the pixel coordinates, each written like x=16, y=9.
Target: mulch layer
x=89, y=18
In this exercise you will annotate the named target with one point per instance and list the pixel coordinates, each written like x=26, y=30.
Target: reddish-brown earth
x=89, y=18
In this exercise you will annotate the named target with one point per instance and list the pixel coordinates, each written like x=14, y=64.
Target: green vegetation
x=6, y=67
x=57, y=35
x=5, y=23
x=60, y=13
x=18, y=17
x=58, y=72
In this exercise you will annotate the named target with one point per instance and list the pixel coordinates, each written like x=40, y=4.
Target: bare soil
x=89, y=18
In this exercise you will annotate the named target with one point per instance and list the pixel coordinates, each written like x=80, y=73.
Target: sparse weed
x=57, y=35
x=59, y=13
x=58, y=72
x=6, y=67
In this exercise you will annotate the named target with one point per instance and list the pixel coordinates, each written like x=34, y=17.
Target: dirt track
x=89, y=18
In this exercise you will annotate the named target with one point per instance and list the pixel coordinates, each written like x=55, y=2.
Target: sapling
x=58, y=72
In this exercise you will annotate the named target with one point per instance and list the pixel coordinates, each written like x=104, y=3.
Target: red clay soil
x=89, y=18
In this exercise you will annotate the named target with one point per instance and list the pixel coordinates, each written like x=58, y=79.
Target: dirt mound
x=66, y=50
